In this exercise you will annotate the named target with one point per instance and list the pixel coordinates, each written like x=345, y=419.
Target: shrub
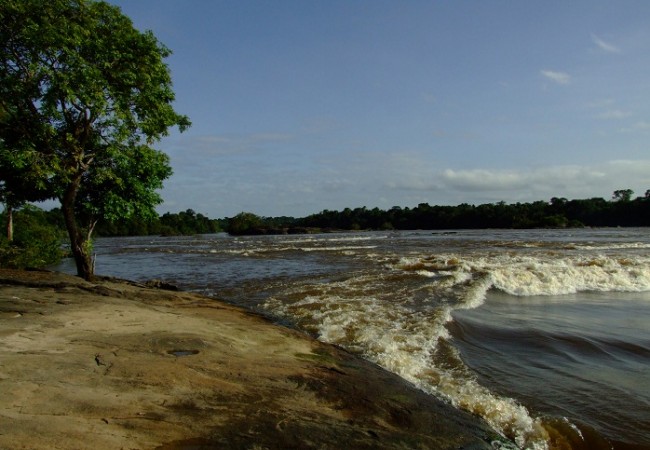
x=36, y=243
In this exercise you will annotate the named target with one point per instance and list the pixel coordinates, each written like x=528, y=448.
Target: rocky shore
x=118, y=365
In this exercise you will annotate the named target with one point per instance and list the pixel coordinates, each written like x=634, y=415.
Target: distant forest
x=622, y=210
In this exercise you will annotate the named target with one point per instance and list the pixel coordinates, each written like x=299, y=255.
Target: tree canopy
x=558, y=213
x=83, y=97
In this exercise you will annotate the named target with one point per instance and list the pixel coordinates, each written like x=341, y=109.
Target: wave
x=398, y=316
x=342, y=248
x=333, y=238
x=622, y=246
x=549, y=274
x=250, y=251
x=568, y=345
x=261, y=251
x=600, y=246
x=388, y=327
x=391, y=297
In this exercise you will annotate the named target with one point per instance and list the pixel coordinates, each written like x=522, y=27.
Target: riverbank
x=115, y=364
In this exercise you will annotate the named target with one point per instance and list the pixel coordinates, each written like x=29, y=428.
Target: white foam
x=405, y=341
x=331, y=238
x=525, y=276
x=610, y=246
x=396, y=313
x=337, y=248
x=539, y=274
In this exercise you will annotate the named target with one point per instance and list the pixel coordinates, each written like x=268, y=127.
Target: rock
x=114, y=365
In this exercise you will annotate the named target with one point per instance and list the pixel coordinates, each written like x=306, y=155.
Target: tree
x=37, y=241
x=623, y=195
x=22, y=178
x=19, y=183
x=96, y=95
x=243, y=223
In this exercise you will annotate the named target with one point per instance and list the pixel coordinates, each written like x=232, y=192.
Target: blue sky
x=300, y=106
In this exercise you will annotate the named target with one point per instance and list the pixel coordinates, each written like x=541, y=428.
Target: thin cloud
x=614, y=114
x=571, y=181
x=480, y=179
x=643, y=126
x=228, y=144
x=428, y=97
x=605, y=46
x=603, y=103
x=557, y=77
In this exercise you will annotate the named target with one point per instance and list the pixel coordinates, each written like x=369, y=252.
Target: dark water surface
x=545, y=334
x=583, y=356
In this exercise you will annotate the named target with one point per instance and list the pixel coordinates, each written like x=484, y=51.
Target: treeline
x=39, y=235
x=38, y=238
x=621, y=211
x=187, y=222
x=558, y=213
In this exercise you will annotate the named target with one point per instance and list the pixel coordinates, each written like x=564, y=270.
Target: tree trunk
x=10, y=222
x=78, y=242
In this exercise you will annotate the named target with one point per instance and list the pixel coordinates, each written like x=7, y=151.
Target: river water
x=543, y=333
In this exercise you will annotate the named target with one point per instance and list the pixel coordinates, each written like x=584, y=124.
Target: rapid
x=543, y=333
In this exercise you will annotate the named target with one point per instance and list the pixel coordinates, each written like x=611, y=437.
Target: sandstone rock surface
x=116, y=365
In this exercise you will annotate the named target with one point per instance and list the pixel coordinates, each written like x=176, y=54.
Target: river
x=543, y=333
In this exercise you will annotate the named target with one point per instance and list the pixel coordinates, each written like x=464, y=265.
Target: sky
x=304, y=105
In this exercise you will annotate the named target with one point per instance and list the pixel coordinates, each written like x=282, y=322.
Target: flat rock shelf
x=114, y=364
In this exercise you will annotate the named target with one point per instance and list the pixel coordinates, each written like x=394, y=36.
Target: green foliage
x=124, y=188
x=244, y=223
x=558, y=213
x=83, y=97
x=623, y=195
x=21, y=180
x=186, y=222
x=37, y=240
